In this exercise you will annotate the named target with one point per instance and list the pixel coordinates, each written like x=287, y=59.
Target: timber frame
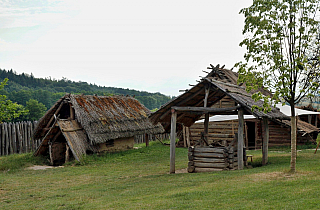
x=200, y=99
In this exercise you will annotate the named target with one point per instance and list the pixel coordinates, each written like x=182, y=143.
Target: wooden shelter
x=90, y=124
x=200, y=100
x=223, y=131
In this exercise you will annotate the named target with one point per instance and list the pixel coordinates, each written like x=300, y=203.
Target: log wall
x=17, y=138
x=221, y=133
x=279, y=135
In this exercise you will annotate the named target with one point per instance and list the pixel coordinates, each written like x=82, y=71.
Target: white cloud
x=159, y=46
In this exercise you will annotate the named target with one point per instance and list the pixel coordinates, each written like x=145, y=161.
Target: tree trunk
x=293, y=140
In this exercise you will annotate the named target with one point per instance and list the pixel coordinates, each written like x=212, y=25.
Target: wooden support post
x=188, y=136
x=240, y=139
x=265, y=141
x=50, y=154
x=71, y=112
x=184, y=136
x=246, y=135
x=206, y=128
x=147, y=139
x=206, y=118
x=173, y=141
x=309, y=118
x=67, y=153
x=256, y=136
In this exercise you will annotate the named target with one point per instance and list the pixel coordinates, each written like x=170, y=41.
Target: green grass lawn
x=139, y=179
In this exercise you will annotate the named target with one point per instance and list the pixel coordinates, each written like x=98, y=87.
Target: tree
x=281, y=42
x=8, y=109
x=36, y=110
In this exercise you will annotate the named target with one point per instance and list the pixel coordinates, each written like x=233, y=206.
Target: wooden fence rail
x=17, y=138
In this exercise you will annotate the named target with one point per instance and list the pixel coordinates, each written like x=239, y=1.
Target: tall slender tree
x=281, y=39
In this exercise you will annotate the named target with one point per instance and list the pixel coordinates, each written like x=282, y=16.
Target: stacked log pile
x=208, y=159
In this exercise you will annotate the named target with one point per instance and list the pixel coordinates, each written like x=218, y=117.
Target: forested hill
x=22, y=87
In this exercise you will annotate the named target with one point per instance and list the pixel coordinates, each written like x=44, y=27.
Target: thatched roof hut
x=93, y=120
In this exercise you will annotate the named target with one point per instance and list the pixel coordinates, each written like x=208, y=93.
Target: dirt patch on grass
x=275, y=176
x=181, y=171
x=36, y=167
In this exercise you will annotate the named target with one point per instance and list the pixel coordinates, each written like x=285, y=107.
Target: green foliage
x=282, y=49
x=47, y=91
x=282, y=42
x=8, y=109
x=36, y=110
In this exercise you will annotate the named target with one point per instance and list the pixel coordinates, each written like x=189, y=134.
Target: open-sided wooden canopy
x=218, y=90
x=191, y=105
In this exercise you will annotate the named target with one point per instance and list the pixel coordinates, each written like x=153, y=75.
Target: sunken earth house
x=81, y=124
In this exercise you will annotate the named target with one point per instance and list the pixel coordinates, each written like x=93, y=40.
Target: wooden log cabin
x=81, y=124
x=204, y=98
x=222, y=133
x=222, y=130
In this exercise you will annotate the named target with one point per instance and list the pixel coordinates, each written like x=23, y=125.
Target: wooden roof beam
x=181, y=102
x=205, y=109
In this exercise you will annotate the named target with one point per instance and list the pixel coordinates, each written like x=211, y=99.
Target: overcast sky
x=156, y=46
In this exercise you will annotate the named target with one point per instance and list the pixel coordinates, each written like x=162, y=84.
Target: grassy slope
x=138, y=179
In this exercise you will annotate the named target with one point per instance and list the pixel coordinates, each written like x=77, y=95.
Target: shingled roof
x=102, y=117
x=221, y=83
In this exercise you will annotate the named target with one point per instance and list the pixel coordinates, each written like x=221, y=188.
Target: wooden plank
x=7, y=138
x=210, y=165
x=209, y=150
x=184, y=136
x=208, y=155
x=209, y=160
x=25, y=131
x=10, y=138
x=22, y=137
x=218, y=135
x=240, y=139
x=173, y=141
x=188, y=136
x=205, y=109
x=265, y=141
x=19, y=137
x=199, y=170
x=206, y=124
x=146, y=136
x=181, y=102
x=56, y=112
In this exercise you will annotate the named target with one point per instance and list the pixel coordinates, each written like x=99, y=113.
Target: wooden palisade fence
x=138, y=139
x=17, y=138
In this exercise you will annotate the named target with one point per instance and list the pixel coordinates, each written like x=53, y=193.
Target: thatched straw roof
x=102, y=117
